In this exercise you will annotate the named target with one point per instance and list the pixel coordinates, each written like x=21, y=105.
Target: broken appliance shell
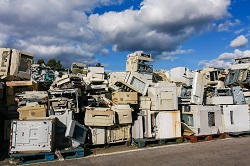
x=137, y=128
x=119, y=133
x=203, y=120
x=99, y=116
x=98, y=135
x=125, y=97
x=163, y=96
x=29, y=112
x=124, y=113
x=32, y=136
x=219, y=100
x=138, y=81
x=198, y=84
x=144, y=103
x=76, y=131
x=15, y=64
x=235, y=118
x=95, y=74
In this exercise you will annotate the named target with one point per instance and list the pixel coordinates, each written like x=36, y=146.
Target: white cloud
x=159, y=25
x=227, y=25
x=225, y=59
x=68, y=31
x=171, y=55
x=239, y=41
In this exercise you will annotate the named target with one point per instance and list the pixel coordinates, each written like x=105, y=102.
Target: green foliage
x=55, y=65
x=40, y=61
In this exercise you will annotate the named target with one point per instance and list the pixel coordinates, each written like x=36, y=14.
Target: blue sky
x=190, y=33
x=205, y=46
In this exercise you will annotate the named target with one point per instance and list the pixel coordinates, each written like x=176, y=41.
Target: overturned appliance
x=99, y=116
x=61, y=100
x=235, y=118
x=32, y=136
x=180, y=75
x=15, y=64
x=158, y=125
x=202, y=120
x=139, y=81
x=163, y=96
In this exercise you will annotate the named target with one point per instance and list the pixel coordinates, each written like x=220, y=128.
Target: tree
x=52, y=63
x=98, y=65
x=40, y=61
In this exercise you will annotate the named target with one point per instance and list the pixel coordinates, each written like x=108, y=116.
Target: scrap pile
x=85, y=106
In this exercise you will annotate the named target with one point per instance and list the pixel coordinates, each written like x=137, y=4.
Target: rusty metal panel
x=168, y=124
x=125, y=97
x=98, y=116
x=32, y=136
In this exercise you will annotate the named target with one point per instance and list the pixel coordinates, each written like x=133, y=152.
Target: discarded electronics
x=114, y=77
x=63, y=99
x=238, y=95
x=68, y=81
x=137, y=62
x=99, y=116
x=79, y=68
x=163, y=96
x=31, y=112
x=42, y=73
x=27, y=98
x=32, y=136
x=124, y=113
x=76, y=131
x=235, y=118
x=158, y=125
x=125, y=97
x=138, y=81
x=180, y=75
x=15, y=64
x=220, y=97
x=95, y=74
x=98, y=135
x=119, y=133
x=198, y=85
x=202, y=120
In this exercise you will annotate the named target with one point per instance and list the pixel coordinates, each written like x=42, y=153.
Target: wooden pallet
x=144, y=142
x=22, y=159
x=200, y=138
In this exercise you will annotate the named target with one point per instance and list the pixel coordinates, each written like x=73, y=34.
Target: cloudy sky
x=191, y=33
